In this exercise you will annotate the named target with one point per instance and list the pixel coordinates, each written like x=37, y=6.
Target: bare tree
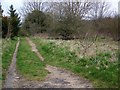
x=30, y=5
x=70, y=14
x=99, y=10
x=67, y=9
x=96, y=13
x=87, y=41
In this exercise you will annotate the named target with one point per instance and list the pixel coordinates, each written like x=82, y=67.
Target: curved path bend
x=57, y=78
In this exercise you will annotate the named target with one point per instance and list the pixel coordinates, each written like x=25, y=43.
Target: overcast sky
x=18, y=3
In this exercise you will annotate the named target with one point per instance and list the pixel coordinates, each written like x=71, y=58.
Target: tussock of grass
x=97, y=69
x=7, y=53
x=28, y=63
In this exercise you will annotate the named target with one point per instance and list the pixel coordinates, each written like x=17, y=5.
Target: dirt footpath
x=34, y=49
x=60, y=78
x=12, y=78
x=57, y=77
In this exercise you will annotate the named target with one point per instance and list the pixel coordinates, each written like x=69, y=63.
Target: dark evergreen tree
x=14, y=22
x=1, y=10
x=3, y=24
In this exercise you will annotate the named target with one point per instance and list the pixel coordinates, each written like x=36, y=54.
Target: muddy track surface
x=57, y=77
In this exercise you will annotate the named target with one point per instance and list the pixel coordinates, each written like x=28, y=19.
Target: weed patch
x=98, y=68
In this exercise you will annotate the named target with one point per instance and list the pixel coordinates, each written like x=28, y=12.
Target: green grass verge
x=28, y=63
x=97, y=69
x=7, y=52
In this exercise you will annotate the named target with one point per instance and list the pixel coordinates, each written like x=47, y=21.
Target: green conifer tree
x=14, y=22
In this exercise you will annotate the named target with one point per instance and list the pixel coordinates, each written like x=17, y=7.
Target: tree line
x=65, y=20
x=69, y=20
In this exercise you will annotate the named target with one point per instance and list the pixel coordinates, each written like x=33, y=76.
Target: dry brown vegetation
x=99, y=46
